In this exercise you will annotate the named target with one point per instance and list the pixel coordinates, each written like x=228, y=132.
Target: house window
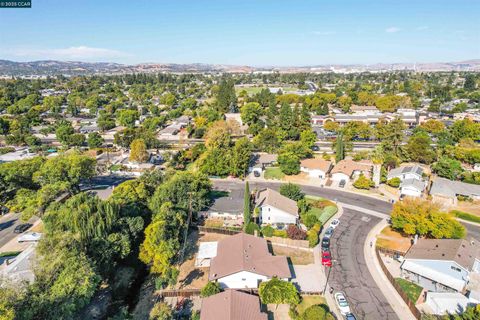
x=456, y=269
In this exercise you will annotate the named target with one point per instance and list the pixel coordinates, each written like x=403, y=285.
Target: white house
x=441, y=303
x=446, y=191
x=316, y=167
x=412, y=187
x=406, y=172
x=243, y=261
x=441, y=265
x=275, y=208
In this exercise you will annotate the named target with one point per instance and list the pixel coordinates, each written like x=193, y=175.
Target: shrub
x=312, y=235
x=394, y=182
x=309, y=220
x=251, y=227
x=363, y=182
x=280, y=233
x=303, y=206
x=210, y=289
x=296, y=233
x=267, y=231
x=289, y=163
x=317, y=312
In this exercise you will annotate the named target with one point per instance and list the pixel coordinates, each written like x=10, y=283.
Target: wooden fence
x=391, y=252
x=218, y=230
x=289, y=242
x=186, y=293
x=411, y=305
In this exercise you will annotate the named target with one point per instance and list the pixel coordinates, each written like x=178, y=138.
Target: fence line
x=411, y=305
x=391, y=252
x=218, y=230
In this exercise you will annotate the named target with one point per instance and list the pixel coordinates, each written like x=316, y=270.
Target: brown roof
x=316, y=163
x=231, y=305
x=275, y=199
x=348, y=166
x=244, y=252
x=461, y=251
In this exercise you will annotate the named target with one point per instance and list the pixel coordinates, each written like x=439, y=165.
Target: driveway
x=309, y=277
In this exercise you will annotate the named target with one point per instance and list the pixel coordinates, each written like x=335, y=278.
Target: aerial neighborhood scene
x=240, y=160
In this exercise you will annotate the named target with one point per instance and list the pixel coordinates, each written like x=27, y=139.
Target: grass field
x=274, y=173
x=465, y=216
x=412, y=290
x=324, y=212
x=308, y=301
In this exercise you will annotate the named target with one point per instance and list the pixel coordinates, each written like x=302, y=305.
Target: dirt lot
x=391, y=239
x=296, y=256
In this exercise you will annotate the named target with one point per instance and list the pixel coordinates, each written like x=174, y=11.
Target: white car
x=30, y=237
x=342, y=303
x=334, y=223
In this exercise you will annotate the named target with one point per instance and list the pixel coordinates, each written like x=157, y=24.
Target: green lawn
x=465, y=216
x=323, y=214
x=308, y=301
x=411, y=289
x=274, y=173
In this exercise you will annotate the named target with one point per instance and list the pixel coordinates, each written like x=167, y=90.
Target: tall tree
x=339, y=148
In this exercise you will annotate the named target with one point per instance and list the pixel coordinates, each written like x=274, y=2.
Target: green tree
x=278, y=291
x=448, y=168
x=292, y=191
x=308, y=138
x=240, y=158
x=469, y=83
x=339, y=148
x=64, y=131
x=210, y=289
x=289, y=163
x=247, y=211
x=127, y=117
x=226, y=98
x=138, y=151
x=317, y=312
x=94, y=140
x=394, y=182
x=419, y=148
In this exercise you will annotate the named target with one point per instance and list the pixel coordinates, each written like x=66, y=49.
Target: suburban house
x=412, y=187
x=411, y=177
x=348, y=169
x=275, y=208
x=406, y=172
x=232, y=305
x=227, y=207
x=243, y=261
x=446, y=191
x=260, y=161
x=316, y=167
x=442, y=265
x=441, y=303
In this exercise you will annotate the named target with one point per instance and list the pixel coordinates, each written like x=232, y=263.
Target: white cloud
x=392, y=29
x=323, y=33
x=70, y=53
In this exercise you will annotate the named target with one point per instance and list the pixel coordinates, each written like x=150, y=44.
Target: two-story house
x=275, y=208
x=411, y=177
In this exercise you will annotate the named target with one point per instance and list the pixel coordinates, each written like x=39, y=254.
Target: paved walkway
x=393, y=298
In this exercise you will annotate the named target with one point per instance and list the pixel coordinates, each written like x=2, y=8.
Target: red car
x=326, y=259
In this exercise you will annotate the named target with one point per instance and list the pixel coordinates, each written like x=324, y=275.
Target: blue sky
x=259, y=33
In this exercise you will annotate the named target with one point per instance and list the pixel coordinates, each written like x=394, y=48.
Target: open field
x=393, y=240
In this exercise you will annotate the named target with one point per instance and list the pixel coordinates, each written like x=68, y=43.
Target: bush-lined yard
x=322, y=208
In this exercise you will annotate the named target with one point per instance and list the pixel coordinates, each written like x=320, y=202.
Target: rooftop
x=273, y=198
x=232, y=305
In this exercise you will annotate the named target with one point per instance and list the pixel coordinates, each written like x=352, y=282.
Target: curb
x=392, y=296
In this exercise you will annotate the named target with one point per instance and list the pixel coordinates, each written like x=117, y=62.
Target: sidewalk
x=395, y=301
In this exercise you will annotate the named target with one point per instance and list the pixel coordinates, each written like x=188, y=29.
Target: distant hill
x=51, y=67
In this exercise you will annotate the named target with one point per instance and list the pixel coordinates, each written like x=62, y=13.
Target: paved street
x=350, y=273
x=8, y=224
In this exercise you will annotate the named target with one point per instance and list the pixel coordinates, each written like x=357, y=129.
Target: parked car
x=256, y=174
x=350, y=316
x=329, y=232
x=22, y=227
x=326, y=259
x=342, y=183
x=30, y=237
x=325, y=244
x=342, y=303
x=334, y=223
x=315, y=148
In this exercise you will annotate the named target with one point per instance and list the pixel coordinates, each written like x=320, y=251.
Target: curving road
x=350, y=273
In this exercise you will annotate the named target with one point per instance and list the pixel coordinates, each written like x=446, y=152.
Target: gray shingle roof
x=448, y=188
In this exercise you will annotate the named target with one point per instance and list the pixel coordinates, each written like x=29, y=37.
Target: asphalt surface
x=349, y=271
x=8, y=224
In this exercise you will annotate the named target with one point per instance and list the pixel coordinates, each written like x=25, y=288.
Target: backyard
x=296, y=256
x=308, y=301
x=322, y=208
x=412, y=290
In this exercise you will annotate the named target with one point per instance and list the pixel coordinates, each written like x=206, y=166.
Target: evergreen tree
x=339, y=148
x=247, y=213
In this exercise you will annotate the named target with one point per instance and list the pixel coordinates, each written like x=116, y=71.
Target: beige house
x=232, y=305
x=348, y=169
x=316, y=167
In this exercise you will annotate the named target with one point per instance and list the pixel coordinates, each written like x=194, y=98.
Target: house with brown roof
x=243, y=261
x=442, y=265
x=275, y=208
x=316, y=167
x=348, y=169
x=232, y=305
